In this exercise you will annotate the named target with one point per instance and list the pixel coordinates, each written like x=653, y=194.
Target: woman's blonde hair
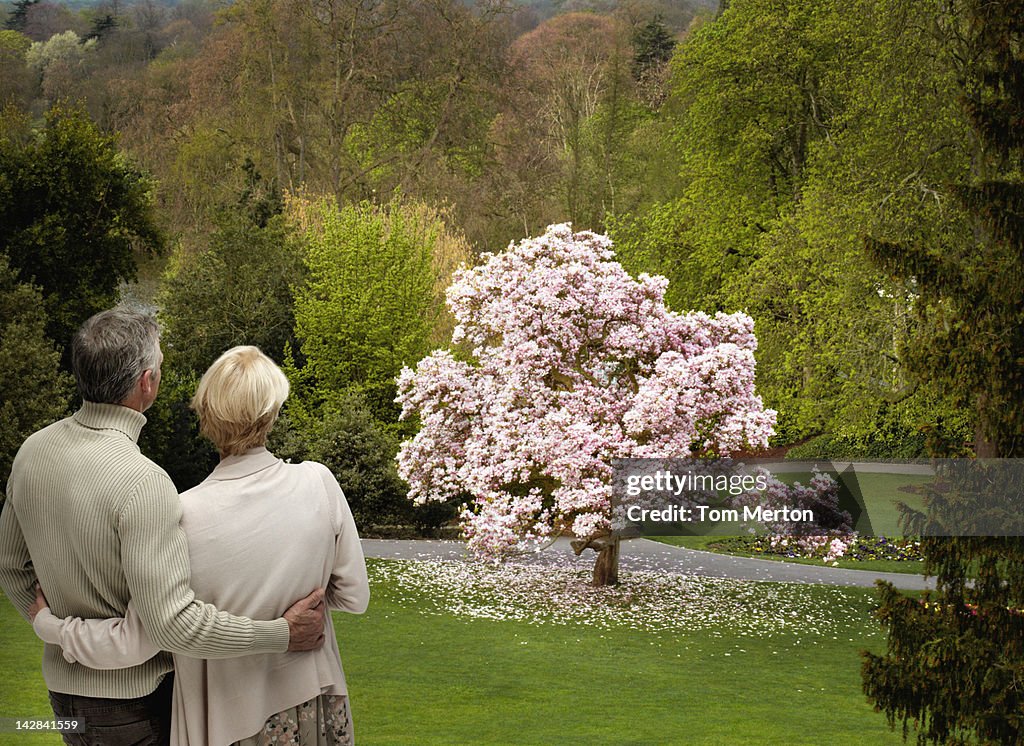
x=238, y=399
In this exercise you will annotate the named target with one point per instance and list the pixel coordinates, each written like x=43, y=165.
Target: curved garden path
x=644, y=554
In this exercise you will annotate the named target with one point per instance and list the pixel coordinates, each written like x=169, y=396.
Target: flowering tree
x=564, y=362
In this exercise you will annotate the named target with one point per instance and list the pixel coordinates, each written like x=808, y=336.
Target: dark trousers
x=145, y=721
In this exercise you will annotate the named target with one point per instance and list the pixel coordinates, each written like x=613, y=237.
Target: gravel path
x=644, y=554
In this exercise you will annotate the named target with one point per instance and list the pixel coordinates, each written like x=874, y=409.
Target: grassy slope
x=418, y=679
x=446, y=680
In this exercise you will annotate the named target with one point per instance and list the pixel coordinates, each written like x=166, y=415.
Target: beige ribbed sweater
x=98, y=524
x=258, y=529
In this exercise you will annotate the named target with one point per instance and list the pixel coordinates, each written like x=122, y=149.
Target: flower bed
x=829, y=549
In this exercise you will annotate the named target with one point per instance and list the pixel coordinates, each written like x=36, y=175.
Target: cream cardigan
x=261, y=534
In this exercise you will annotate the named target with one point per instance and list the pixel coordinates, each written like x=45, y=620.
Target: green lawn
x=22, y=691
x=421, y=674
x=715, y=544
x=881, y=492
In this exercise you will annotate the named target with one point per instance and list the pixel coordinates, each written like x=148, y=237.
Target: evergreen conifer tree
x=652, y=46
x=955, y=661
x=19, y=14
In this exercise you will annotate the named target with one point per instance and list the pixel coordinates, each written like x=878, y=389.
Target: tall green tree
x=970, y=282
x=238, y=289
x=799, y=128
x=33, y=392
x=751, y=99
x=374, y=297
x=372, y=301
x=73, y=213
x=833, y=327
x=753, y=96
x=954, y=664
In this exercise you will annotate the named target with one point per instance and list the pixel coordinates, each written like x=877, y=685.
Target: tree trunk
x=984, y=444
x=606, y=566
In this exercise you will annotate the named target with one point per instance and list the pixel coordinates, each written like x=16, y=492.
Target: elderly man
x=96, y=523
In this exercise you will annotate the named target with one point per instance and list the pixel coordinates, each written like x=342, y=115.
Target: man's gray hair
x=112, y=350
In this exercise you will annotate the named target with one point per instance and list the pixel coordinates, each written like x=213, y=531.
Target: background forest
x=304, y=175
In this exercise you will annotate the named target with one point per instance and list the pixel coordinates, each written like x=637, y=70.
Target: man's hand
x=306, y=622
x=39, y=604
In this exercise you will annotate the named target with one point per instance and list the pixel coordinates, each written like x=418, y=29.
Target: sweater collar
x=250, y=462
x=96, y=416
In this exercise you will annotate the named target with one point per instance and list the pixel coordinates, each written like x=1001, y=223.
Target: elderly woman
x=259, y=531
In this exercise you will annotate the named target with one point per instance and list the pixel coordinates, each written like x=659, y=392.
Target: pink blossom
x=561, y=362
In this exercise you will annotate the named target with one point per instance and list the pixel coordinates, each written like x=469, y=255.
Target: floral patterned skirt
x=322, y=721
